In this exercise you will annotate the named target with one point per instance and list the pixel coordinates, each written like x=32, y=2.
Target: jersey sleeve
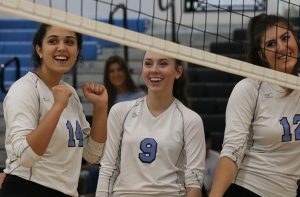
x=195, y=151
x=92, y=150
x=21, y=114
x=110, y=160
x=239, y=114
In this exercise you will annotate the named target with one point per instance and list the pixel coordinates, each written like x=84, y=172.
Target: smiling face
x=59, y=50
x=279, y=49
x=116, y=75
x=159, y=72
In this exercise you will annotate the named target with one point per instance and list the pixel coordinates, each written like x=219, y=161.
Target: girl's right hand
x=61, y=94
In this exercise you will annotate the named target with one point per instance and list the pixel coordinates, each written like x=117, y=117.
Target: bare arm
x=226, y=171
x=193, y=192
x=40, y=137
x=99, y=126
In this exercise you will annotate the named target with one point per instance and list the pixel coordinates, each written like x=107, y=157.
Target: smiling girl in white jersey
x=262, y=140
x=155, y=145
x=46, y=131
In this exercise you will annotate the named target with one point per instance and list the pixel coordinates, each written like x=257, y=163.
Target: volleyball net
x=190, y=30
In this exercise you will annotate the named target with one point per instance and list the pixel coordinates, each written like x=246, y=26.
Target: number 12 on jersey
x=287, y=136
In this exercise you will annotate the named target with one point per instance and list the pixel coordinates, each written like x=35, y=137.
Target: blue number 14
x=78, y=135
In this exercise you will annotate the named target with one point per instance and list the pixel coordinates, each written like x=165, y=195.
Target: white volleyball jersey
x=262, y=136
x=25, y=105
x=152, y=156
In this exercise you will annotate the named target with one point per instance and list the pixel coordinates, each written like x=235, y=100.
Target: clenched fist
x=61, y=94
x=96, y=94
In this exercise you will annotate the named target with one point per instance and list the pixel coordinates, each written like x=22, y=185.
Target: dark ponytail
x=179, y=86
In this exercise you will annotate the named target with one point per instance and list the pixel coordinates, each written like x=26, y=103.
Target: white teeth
x=61, y=57
x=155, y=79
x=283, y=57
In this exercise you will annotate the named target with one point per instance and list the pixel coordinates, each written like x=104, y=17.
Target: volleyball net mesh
x=209, y=33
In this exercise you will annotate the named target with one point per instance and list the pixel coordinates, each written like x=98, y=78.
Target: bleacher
x=210, y=89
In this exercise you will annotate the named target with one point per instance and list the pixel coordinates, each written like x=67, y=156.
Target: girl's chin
x=63, y=71
x=117, y=84
x=286, y=64
x=289, y=71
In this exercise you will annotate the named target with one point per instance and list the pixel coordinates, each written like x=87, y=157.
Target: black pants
x=298, y=189
x=238, y=191
x=14, y=186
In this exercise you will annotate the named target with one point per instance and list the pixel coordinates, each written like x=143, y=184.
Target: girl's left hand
x=96, y=94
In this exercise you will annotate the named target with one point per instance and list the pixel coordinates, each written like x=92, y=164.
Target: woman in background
x=118, y=81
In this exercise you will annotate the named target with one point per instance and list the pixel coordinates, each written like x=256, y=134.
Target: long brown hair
x=257, y=27
x=180, y=86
